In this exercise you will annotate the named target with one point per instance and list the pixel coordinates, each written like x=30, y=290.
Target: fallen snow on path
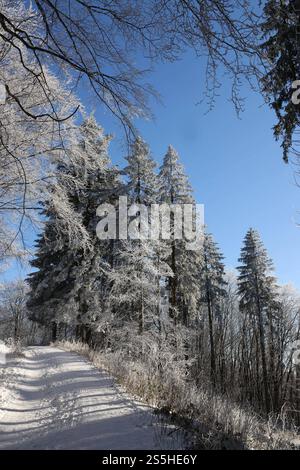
x=53, y=399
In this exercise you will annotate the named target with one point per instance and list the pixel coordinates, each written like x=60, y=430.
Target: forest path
x=53, y=399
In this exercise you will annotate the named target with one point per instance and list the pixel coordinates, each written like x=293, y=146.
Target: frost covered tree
x=280, y=28
x=63, y=289
x=140, y=174
x=133, y=279
x=102, y=186
x=183, y=287
x=13, y=310
x=287, y=371
x=213, y=284
x=135, y=293
x=48, y=287
x=32, y=139
x=97, y=43
x=259, y=305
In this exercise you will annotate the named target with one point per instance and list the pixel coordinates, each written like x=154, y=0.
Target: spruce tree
x=102, y=186
x=281, y=47
x=65, y=287
x=52, y=280
x=212, y=281
x=141, y=185
x=183, y=288
x=136, y=277
x=258, y=301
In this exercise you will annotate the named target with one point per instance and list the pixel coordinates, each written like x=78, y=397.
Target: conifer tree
x=64, y=287
x=175, y=189
x=281, y=48
x=212, y=281
x=140, y=173
x=101, y=186
x=137, y=273
x=257, y=291
x=51, y=282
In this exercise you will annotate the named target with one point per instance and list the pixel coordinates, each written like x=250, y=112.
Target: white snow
x=6, y=376
x=58, y=400
x=3, y=348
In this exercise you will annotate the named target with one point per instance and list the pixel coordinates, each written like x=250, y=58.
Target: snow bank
x=4, y=390
x=3, y=351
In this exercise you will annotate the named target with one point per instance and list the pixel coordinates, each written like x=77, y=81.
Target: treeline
x=155, y=301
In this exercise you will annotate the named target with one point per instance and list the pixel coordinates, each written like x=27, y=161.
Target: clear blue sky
x=235, y=166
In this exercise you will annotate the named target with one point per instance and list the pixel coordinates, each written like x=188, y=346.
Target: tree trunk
x=263, y=351
x=173, y=284
x=53, y=331
x=211, y=339
x=17, y=327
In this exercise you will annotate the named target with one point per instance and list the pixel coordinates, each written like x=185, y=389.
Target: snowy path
x=53, y=399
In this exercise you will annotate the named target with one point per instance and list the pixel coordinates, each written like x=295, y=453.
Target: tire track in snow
x=63, y=402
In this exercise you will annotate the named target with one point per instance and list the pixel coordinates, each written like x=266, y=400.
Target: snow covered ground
x=52, y=399
x=3, y=351
x=4, y=390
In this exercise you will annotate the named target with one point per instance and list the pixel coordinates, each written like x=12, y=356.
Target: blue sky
x=234, y=165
